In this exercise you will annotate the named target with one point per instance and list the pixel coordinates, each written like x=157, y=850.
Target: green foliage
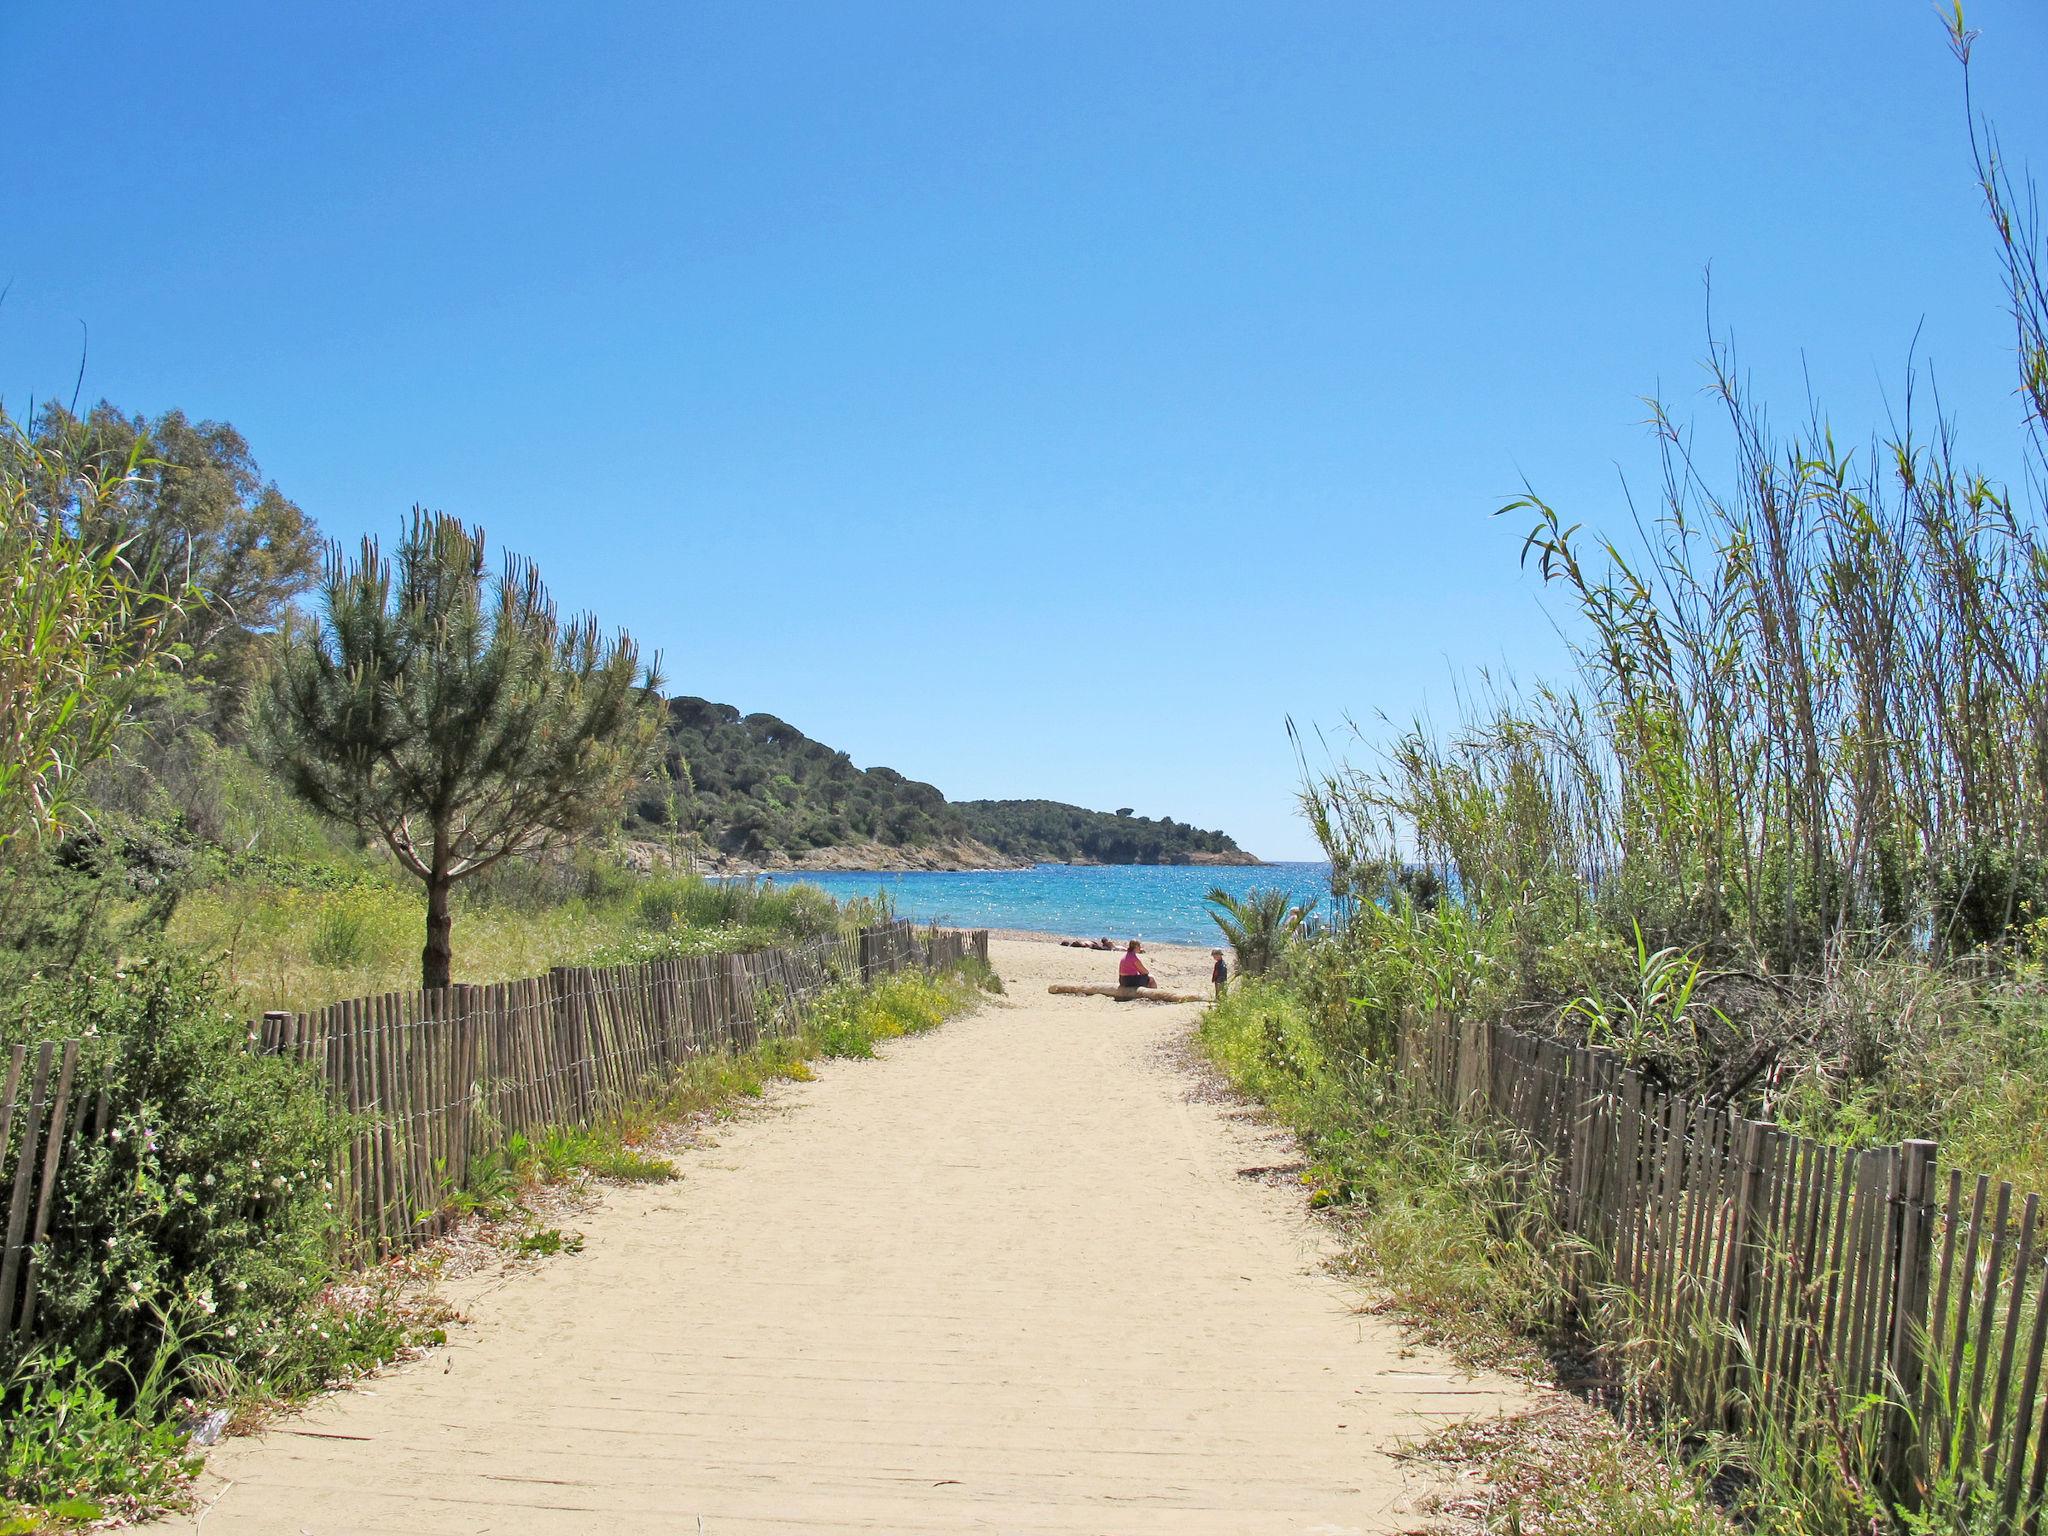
x=792, y=909
x=603, y=1154
x=453, y=714
x=1439, y=1221
x=71, y=1449
x=1810, y=707
x=201, y=1214
x=1046, y=830
x=547, y=1242
x=197, y=511
x=557, y=1153
x=1654, y=1016
x=851, y=1020
x=1782, y=835
x=751, y=785
x=296, y=935
x=1258, y=926
x=354, y=927
x=55, y=913
x=1360, y=980
x=83, y=626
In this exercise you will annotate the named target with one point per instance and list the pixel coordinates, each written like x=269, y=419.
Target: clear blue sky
x=957, y=381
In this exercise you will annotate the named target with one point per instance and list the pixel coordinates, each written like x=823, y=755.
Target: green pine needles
x=455, y=714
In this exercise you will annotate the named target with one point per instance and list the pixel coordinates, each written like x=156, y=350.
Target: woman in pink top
x=1130, y=971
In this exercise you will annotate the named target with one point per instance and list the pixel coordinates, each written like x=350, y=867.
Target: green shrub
x=850, y=1020
x=71, y=1448
x=599, y=1150
x=682, y=943
x=201, y=1214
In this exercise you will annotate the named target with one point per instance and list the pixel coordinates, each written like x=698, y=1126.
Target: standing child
x=1219, y=973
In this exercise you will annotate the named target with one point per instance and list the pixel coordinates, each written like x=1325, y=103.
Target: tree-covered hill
x=755, y=788
x=749, y=785
x=1046, y=830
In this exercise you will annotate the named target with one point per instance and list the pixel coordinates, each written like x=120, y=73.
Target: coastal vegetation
x=749, y=785
x=454, y=714
x=1258, y=925
x=1045, y=831
x=753, y=787
x=84, y=624
x=1780, y=840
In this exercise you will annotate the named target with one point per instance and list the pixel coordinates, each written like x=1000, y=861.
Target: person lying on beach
x=1130, y=971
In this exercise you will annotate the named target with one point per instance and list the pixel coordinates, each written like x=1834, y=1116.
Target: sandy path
x=1006, y=1280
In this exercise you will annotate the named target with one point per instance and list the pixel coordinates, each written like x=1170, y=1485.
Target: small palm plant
x=1258, y=924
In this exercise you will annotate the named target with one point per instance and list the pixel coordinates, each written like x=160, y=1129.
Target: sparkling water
x=1163, y=903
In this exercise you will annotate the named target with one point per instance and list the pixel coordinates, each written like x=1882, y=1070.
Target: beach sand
x=1027, y=1273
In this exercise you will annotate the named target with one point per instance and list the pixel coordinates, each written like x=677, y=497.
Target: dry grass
x=1563, y=1469
x=295, y=947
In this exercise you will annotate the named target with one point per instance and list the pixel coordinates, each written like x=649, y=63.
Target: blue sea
x=1160, y=902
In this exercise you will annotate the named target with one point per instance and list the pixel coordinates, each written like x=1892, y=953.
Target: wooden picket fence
x=440, y=1079
x=1850, y=1302
x=435, y=1081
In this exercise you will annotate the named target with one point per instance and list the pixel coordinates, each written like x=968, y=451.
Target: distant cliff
x=754, y=790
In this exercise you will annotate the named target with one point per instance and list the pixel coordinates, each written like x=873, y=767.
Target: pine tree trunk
x=437, y=958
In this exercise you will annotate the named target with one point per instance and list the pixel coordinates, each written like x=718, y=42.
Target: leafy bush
x=691, y=901
x=201, y=1214
x=71, y=1448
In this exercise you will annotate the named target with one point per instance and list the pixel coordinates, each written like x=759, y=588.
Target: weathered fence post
x=267, y=1037
x=53, y=1154
x=463, y=1075
x=1904, y=1451
x=744, y=1035
x=1754, y=1146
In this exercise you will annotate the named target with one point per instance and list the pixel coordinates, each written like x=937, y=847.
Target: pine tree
x=455, y=714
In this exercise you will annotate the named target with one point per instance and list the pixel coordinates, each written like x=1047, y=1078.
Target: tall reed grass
x=1800, y=763
x=1809, y=707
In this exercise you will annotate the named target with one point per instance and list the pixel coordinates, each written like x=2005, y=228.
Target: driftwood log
x=1123, y=994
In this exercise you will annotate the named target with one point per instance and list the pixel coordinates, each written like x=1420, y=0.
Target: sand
x=1008, y=1278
